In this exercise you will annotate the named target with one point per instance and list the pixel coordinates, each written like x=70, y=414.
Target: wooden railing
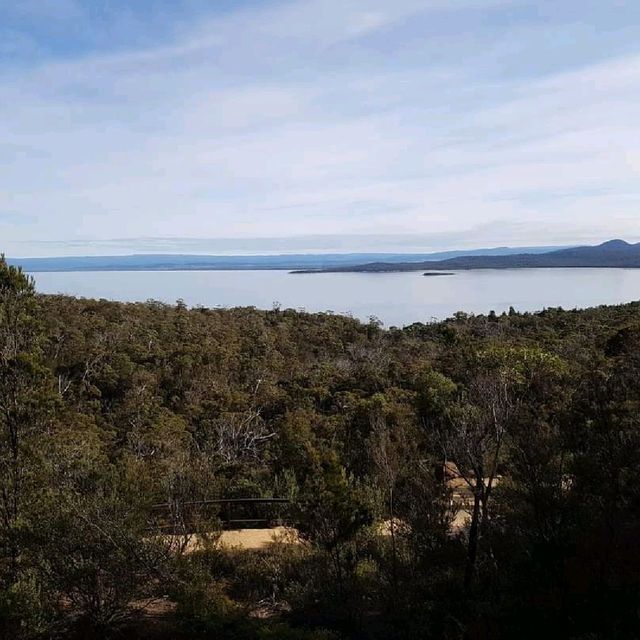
x=233, y=513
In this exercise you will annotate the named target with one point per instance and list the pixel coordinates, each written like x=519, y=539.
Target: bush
x=26, y=610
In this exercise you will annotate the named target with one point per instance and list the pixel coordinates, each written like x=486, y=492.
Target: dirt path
x=241, y=539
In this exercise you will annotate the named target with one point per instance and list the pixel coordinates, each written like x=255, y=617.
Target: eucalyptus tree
x=25, y=401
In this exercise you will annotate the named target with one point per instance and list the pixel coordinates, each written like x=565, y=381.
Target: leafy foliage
x=122, y=424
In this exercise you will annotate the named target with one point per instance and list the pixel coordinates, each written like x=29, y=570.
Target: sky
x=246, y=126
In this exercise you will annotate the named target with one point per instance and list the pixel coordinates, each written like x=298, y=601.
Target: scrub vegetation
x=124, y=426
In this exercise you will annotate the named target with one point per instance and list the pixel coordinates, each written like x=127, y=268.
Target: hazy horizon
x=313, y=245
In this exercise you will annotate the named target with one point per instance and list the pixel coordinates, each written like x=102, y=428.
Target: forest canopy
x=473, y=478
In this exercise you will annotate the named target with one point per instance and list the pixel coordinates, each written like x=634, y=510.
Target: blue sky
x=218, y=125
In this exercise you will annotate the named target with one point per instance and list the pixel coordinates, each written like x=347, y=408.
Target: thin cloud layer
x=410, y=124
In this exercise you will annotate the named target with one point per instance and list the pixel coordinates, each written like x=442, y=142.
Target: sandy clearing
x=258, y=538
x=240, y=539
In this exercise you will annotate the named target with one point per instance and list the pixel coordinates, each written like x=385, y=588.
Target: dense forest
x=123, y=426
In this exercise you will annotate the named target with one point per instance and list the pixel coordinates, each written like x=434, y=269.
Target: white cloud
x=322, y=117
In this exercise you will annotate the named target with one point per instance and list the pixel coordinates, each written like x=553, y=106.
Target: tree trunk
x=394, y=551
x=472, y=548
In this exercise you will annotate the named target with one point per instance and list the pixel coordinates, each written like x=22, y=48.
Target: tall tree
x=23, y=406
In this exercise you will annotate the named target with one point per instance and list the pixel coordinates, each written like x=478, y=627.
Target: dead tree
x=473, y=439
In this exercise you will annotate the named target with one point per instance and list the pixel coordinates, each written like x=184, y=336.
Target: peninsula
x=611, y=254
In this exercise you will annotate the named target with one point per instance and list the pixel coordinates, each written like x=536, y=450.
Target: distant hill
x=180, y=262
x=612, y=254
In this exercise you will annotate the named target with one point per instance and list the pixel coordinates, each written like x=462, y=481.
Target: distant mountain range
x=615, y=253
x=311, y=262
x=612, y=254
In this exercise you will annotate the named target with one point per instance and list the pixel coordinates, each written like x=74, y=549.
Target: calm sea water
x=395, y=298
